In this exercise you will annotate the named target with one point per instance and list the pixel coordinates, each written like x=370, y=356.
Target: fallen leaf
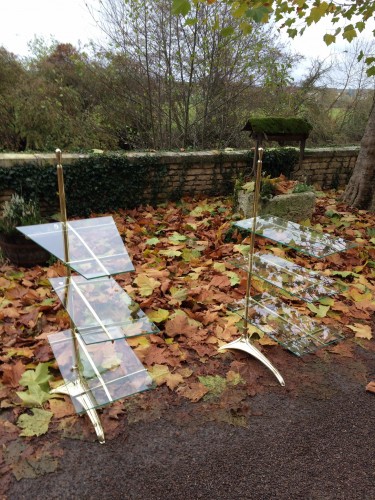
x=194, y=391
x=35, y=424
x=361, y=331
x=146, y=285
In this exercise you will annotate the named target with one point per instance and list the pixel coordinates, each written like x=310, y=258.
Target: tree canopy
x=348, y=18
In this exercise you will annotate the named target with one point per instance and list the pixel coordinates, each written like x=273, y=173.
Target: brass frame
x=77, y=388
x=243, y=343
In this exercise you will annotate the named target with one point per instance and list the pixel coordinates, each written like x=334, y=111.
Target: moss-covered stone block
x=295, y=207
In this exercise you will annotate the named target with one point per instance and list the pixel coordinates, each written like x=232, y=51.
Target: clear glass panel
x=284, y=324
x=106, y=372
x=92, y=247
x=96, y=306
x=295, y=236
x=296, y=280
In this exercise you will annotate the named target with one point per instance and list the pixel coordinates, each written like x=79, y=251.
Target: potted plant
x=14, y=245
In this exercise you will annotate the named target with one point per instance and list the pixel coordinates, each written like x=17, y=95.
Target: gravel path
x=311, y=446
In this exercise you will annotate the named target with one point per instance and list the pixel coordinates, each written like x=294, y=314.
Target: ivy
x=277, y=161
x=97, y=183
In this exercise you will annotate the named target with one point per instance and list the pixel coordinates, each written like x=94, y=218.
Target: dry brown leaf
x=194, y=391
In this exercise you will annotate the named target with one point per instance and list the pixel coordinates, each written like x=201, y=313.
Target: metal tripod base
x=78, y=391
x=244, y=344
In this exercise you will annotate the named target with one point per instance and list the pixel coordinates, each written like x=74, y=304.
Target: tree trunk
x=360, y=191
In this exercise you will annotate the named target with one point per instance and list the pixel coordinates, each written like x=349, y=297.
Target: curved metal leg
x=244, y=344
x=77, y=390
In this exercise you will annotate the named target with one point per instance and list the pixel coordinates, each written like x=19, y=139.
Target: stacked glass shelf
x=301, y=238
x=97, y=364
x=105, y=372
x=100, y=309
x=296, y=280
x=283, y=323
x=94, y=246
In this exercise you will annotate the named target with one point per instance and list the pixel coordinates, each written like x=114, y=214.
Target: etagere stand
x=97, y=364
x=275, y=317
x=244, y=343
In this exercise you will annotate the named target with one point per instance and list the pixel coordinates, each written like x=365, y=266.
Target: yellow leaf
x=159, y=374
x=361, y=331
x=146, y=285
x=220, y=267
x=158, y=316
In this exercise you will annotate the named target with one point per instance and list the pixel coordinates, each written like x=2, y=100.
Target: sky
x=69, y=21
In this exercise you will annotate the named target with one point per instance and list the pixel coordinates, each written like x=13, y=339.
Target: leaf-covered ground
x=184, y=282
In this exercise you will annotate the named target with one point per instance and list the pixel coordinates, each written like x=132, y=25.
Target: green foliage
x=276, y=125
x=302, y=188
x=267, y=188
x=19, y=212
x=98, y=183
x=37, y=385
x=35, y=424
x=278, y=161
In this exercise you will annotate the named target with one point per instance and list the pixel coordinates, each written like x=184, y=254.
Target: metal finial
x=58, y=155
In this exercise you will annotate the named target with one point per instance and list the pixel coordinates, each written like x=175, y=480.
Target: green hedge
x=278, y=161
x=107, y=182
x=98, y=183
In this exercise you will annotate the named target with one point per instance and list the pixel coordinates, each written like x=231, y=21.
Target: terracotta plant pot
x=22, y=251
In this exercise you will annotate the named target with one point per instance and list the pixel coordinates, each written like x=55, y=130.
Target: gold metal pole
x=244, y=343
x=60, y=181
x=252, y=240
x=77, y=388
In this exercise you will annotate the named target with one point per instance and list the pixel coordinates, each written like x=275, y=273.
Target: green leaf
x=320, y=311
x=179, y=294
x=248, y=186
x=327, y=301
x=181, y=7
x=39, y=376
x=233, y=278
x=244, y=249
x=189, y=255
x=191, y=21
x=159, y=315
x=345, y=274
x=35, y=424
x=229, y=30
x=349, y=33
x=328, y=39
x=176, y=238
x=34, y=396
x=152, y=241
x=258, y=14
x=292, y=32
x=171, y=253
x=219, y=266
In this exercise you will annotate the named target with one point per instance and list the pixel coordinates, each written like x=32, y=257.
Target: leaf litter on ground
x=184, y=281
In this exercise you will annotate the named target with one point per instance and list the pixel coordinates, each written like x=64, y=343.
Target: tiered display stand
x=296, y=332
x=97, y=364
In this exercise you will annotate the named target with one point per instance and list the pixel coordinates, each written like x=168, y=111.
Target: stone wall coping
x=170, y=156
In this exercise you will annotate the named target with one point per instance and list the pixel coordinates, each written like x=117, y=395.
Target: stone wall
x=212, y=173
x=327, y=167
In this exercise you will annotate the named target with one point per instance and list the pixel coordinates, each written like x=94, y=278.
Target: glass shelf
x=98, y=306
x=298, y=333
x=105, y=373
x=296, y=280
x=92, y=247
x=293, y=235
